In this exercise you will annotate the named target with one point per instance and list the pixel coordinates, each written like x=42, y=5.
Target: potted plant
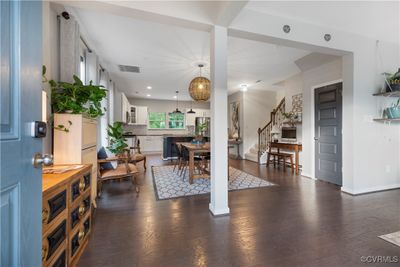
x=201, y=128
x=116, y=139
x=77, y=98
x=392, y=81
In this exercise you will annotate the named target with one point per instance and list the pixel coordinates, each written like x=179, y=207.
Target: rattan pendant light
x=199, y=88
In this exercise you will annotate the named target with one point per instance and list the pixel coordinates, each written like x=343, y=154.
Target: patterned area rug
x=168, y=184
x=393, y=238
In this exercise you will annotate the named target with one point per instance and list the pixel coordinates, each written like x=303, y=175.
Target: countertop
x=50, y=181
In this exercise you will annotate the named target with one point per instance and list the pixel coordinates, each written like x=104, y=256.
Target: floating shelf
x=387, y=120
x=389, y=94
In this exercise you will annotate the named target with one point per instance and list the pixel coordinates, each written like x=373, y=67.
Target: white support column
x=219, y=121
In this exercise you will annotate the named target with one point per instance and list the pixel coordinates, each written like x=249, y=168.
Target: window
x=157, y=120
x=176, y=120
x=82, y=68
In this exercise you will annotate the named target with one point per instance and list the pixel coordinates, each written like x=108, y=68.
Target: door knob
x=316, y=138
x=39, y=160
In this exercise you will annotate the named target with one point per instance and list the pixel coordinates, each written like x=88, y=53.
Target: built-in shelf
x=387, y=120
x=388, y=94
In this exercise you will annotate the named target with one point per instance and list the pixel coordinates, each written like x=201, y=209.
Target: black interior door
x=328, y=133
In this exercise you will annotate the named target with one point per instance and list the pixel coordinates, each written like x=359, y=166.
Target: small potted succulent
x=392, y=81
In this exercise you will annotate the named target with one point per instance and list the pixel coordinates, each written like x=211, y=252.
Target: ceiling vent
x=127, y=68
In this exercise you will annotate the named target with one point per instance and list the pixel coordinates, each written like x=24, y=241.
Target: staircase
x=253, y=153
x=258, y=152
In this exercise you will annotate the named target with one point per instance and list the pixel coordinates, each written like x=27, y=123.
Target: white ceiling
x=168, y=56
x=375, y=19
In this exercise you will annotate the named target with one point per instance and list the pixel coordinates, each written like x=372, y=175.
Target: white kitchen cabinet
x=190, y=118
x=125, y=109
x=202, y=113
x=141, y=115
x=206, y=113
x=138, y=115
x=78, y=145
x=151, y=143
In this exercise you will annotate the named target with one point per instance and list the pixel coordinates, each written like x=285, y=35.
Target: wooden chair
x=134, y=155
x=184, y=162
x=123, y=170
x=277, y=156
x=177, y=162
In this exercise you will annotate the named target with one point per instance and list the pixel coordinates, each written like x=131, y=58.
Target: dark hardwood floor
x=301, y=222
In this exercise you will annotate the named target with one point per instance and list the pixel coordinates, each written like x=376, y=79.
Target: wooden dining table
x=193, y=150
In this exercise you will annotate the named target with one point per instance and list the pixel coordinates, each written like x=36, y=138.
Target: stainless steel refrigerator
x=200, y=121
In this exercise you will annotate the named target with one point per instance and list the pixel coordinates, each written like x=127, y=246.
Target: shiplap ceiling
x=168, y=56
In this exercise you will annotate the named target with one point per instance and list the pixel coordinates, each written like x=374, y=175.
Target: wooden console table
x=237, y=143
x=66, y=214
x=288, y=146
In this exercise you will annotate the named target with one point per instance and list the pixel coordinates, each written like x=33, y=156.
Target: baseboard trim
x=218, y=212
x=370, y=190
x=308, y=176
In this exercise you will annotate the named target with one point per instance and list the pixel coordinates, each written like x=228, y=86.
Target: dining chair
x=178, y=149
x=185, y=161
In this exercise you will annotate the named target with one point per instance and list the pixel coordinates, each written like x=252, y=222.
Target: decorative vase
x=198, y=140
x=393, y=113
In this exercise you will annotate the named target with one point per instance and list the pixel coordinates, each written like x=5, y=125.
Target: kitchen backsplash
x=142, y=130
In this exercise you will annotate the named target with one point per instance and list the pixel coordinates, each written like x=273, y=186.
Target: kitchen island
x=169, y=141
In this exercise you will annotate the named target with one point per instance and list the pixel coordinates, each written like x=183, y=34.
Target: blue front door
x=20, y=103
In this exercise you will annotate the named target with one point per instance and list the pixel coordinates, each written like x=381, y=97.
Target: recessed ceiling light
x=175, y=96
x=243, y=87
x=149, y=87
x=148, y=95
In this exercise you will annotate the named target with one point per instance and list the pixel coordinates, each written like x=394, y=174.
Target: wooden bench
x=284, y=156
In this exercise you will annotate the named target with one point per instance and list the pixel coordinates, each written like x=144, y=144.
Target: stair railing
x=264, y=134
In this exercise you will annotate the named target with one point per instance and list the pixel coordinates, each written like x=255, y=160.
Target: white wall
x=254, y=112
x=370, y=149
x=326, y=73
x=257, y=106
x=50, y=60
x=237, y=97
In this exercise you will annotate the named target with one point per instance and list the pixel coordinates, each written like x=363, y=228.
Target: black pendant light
x=177, y=102
x=191, y=111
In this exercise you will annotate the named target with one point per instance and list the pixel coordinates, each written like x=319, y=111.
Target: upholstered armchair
x=123, y=169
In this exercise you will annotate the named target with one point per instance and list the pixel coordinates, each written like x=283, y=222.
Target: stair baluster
x=264, y=134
